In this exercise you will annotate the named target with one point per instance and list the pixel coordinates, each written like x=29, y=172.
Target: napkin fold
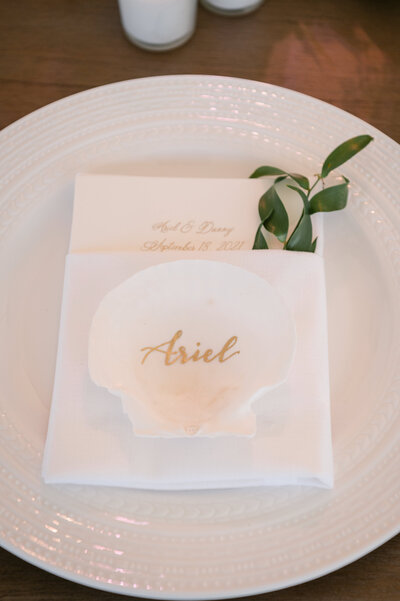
x=90, y=439
x=114, y=234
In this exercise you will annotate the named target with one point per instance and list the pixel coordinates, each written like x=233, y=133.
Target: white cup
x=232, y=7
x=158, y=24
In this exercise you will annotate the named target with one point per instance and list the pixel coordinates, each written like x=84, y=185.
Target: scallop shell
x=213, y=305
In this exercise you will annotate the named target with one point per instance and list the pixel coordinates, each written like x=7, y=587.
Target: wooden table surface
x=345, y=52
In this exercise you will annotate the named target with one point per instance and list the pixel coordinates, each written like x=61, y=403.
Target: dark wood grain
x=345, y=52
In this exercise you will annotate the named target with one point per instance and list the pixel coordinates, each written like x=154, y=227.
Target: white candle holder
x=158, y=24
x=232, y=7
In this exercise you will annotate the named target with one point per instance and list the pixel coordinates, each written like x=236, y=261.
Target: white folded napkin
x=90, y=440
x=158, y=214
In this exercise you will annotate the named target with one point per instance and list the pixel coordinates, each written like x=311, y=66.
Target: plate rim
x=199, y=77
x=182, y=596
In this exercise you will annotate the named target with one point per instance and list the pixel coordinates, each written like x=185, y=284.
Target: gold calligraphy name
x=181, y=355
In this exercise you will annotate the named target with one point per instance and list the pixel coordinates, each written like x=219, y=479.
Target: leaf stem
x=318, y=176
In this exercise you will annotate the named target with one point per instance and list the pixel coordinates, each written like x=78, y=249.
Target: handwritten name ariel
x=181, y=355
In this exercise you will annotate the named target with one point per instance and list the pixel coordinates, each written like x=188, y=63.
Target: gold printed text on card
x=178, y=354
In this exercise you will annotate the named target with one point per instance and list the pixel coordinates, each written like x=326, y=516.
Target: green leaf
x=259, y=241
x=303, y=196
x=302, y=235
x=266, y=205
x=329, y=199
x=301, y=180
x=273, y=214
x=314, y=245
x=344, y=152
x=266, y=170
x=280, y=179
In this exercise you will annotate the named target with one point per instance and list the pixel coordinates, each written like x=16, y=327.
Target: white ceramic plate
x=203, y=544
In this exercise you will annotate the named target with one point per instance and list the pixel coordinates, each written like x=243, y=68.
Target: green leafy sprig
x=272, y=212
